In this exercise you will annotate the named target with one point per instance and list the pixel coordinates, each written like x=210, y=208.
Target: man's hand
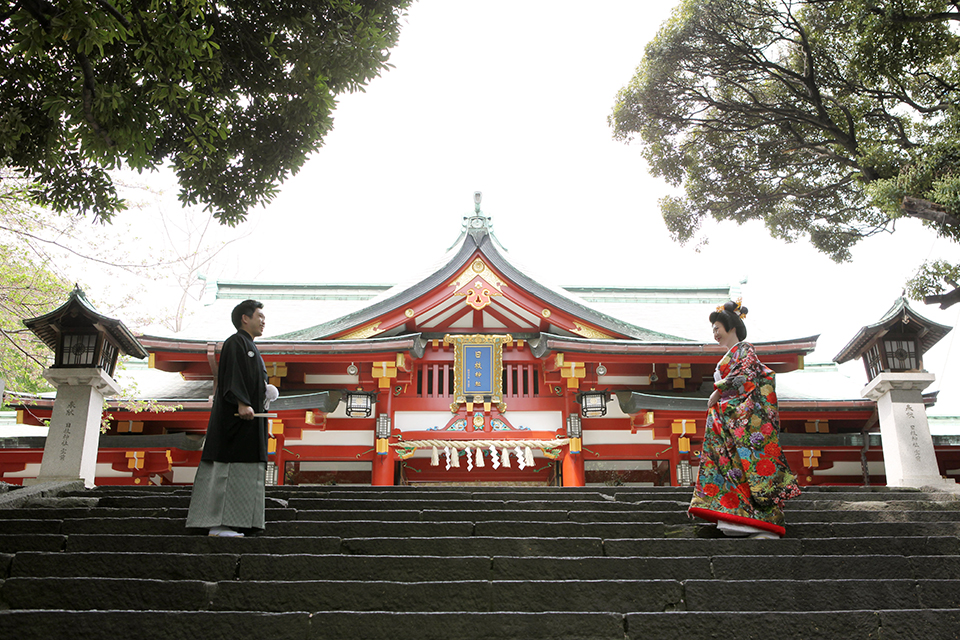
x=245, y=411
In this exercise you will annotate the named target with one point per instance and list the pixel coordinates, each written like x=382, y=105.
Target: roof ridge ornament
x=478, y=224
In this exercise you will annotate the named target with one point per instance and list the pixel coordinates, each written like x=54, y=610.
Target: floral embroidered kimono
x=744, y=477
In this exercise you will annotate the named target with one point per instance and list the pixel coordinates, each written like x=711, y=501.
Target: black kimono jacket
x=241, y=377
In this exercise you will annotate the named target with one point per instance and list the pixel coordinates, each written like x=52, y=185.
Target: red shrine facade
x=475, y=374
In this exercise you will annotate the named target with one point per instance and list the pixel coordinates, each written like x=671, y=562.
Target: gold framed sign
x=478, y=367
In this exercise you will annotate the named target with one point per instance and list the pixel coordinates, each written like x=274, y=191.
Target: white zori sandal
x=743, y=531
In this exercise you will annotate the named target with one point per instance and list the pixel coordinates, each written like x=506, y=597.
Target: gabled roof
x=512, y=298
x=48, y=326
x=929, y=333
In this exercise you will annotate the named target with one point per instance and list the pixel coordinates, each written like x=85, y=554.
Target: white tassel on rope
x=528, y=456
x=469, y=460
x=455, y=458
x=480, y=461
x=446, y=452
x=435, y=457
x=505, y=458
x=493, y=457
x=521, y=459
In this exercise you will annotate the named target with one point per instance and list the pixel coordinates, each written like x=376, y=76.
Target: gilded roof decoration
x=371, y=329
x=477, y=283
x=590, y=332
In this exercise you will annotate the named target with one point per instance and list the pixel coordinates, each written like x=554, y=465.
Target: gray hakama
x=228, y=494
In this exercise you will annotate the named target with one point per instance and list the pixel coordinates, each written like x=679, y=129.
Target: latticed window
x=79, y=349
x=873, y=361
x=108, y=357
x=901, y=354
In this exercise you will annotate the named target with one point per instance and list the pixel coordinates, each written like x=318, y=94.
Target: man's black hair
x=245, y=308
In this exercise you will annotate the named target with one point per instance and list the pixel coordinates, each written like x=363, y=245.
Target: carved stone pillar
x=908, y=456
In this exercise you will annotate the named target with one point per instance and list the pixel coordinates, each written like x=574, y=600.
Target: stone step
x=175, y=625
x=197, y=544
x=347, y=528
x=56, y=513
x=210, y=567
x=564, y=495
x=24, y=526
x=785, y=625
x=475, y=546
x=292, y=567
x=900, y=546
x=480, y=562
x=548, y=625
x=794, y=506
x=864, y=529
x=12, y=542
x=806, y=495
x=419, y=504
x=622, y=596
x=821, y=595
x=493, y=528
x=341, y=595
x=25, y=521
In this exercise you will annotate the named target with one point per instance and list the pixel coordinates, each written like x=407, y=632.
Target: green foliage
x=28, y=288
x=931, y=277
x=815, y=116
x=233, y=94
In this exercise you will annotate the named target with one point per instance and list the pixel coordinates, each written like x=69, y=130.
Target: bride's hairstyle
x=731, y=315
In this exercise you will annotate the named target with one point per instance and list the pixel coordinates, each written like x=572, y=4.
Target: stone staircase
x=461, y=562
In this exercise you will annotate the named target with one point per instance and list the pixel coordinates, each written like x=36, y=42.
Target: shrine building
x=479, y=373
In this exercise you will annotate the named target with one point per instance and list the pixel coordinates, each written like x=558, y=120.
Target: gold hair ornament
x=737, y=309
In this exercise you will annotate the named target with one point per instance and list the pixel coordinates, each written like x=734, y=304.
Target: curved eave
x=549, y=343
x=402, y=298
x=932, y=334
x=413, y=344
x=568, y=305
x=324, y=401
x=43, y=326
x=472, y=242
x=634, y=402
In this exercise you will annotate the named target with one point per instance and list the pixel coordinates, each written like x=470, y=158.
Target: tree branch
x=86, y=257
x=945, y=300
x=930, y=211
x=19, y=348
x=109, y=8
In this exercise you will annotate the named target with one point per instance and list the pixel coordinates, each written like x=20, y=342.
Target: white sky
x=511, y=99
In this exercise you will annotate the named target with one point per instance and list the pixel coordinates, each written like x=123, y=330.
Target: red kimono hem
x=714, y=516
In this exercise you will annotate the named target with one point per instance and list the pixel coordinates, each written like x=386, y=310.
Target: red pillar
x=383, y=465
x=383, y=470
x=573, y=473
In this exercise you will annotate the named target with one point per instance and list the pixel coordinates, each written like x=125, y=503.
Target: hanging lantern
x=593, y=404
x=359, y=404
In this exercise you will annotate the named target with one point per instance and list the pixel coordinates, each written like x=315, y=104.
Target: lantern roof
x=78, y=311
x=928, y=332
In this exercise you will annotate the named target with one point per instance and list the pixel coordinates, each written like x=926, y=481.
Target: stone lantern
x=892, y=352
x=86, y=347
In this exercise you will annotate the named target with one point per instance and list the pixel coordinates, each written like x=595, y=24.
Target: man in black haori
x=228, y=492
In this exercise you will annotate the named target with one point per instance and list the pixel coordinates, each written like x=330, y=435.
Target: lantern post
x=86, y=347
x=892, y=353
